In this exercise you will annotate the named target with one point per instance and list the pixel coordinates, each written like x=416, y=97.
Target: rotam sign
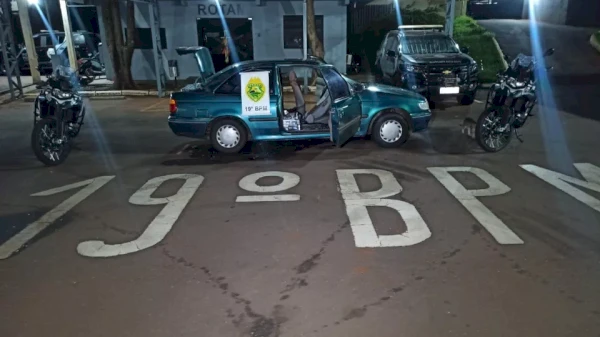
x=226, y=9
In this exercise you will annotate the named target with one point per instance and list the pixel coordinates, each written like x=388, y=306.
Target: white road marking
x=590, y=173
x=159, y=227
x=356, y=203
x=263, y=198
x=468, y=198
x=248, y=183
x=29, y=232
x=478, y=101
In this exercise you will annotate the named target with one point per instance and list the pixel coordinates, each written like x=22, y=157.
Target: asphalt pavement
x=143, y=233
x=574, y=81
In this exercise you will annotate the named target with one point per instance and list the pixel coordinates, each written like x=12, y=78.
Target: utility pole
x=450, y=12
x=305, y=41
x=64, y=12
x=304, y=30
x=23, y=7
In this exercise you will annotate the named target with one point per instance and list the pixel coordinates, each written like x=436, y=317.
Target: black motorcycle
x=509, y=103
x=57, y=117
x=91, y=67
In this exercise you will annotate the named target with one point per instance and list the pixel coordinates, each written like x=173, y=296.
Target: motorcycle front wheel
x=46, y=144
x=487, y=134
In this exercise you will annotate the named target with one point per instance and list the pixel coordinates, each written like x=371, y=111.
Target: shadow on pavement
x=577, y=94
x=202, y=153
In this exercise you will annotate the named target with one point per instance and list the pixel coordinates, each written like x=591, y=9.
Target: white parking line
x=153, y=107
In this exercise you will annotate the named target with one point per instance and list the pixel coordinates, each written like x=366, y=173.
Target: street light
x=33, y=2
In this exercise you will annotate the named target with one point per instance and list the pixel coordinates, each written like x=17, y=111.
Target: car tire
x=466, y=99
x=228, y=136
x=390, y=131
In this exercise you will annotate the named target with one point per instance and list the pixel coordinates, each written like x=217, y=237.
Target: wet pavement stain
x=355, y=313
x=309, y=263
x=250, y=321
x=452, y=253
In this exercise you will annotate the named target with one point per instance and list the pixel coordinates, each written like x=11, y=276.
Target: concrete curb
x=594, y=42
x=500, y=52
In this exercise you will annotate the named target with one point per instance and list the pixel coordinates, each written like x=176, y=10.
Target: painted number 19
x=154, y=233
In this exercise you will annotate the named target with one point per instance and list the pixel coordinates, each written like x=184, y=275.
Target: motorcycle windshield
x=523, y=61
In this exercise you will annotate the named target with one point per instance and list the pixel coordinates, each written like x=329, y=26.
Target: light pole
x=23, y=7
x=64, y=12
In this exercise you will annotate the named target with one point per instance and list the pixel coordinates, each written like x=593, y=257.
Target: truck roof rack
x=422, y=27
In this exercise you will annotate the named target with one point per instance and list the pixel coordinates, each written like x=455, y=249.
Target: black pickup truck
x=425, y=60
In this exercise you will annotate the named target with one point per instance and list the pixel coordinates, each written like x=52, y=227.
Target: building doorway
x=211, y=34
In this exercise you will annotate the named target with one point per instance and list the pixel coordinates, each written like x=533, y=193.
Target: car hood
x=434, y=59
x=376, y=91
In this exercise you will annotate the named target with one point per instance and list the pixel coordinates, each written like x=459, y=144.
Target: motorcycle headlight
x=61, y=94
x=424, y=105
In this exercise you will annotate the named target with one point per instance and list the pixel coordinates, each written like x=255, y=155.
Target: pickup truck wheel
x=228, y=136
x=390, y=131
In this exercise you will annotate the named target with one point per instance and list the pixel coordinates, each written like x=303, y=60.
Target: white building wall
x=267, y=30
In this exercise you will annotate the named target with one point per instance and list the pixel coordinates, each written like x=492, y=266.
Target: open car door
x=205, y=63
x=346, y=109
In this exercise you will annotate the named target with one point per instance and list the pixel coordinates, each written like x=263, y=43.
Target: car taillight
x=172, y=106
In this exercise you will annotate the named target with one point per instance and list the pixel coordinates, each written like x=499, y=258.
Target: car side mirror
x=464, y=50
x=549, y=52
x=390, y=53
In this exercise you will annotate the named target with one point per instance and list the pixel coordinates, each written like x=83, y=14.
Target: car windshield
x=427, y=45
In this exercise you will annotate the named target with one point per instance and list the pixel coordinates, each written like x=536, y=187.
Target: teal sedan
x=290, y=100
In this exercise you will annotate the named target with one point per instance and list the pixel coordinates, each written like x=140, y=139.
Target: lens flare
x=557, y=151
x=230, y=44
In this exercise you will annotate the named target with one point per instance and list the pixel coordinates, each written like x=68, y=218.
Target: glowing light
x=558, y=154
x=33, y=2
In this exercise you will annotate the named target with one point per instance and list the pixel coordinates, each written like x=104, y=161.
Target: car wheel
x=390, y=131
x=466, y=99
x=228, y=136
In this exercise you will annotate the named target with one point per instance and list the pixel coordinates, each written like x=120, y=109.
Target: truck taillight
x=172, y=106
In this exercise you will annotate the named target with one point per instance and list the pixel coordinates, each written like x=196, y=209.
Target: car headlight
x=412, y=68
x=424, y=105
